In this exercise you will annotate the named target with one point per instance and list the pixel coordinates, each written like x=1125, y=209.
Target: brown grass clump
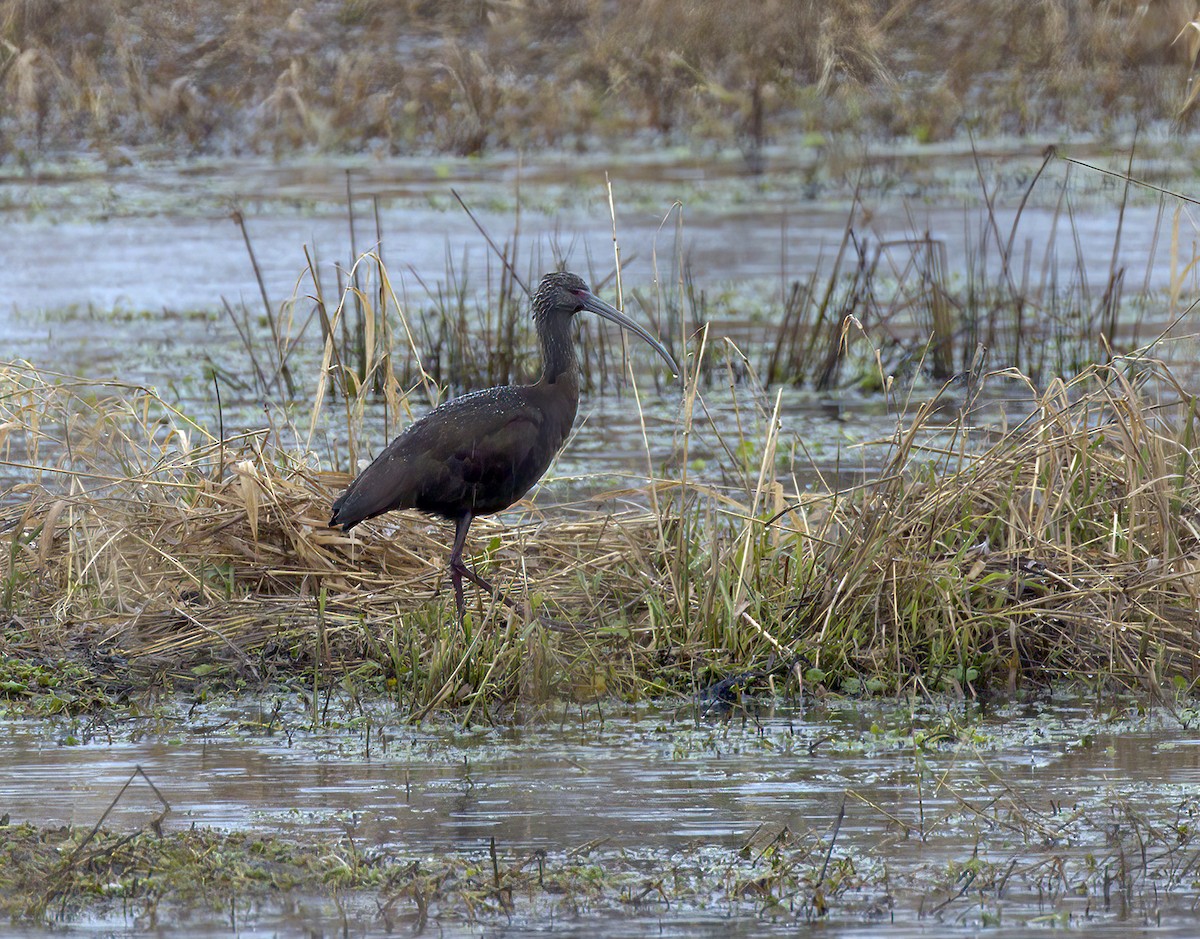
x=139, y=535
x=1068, y=547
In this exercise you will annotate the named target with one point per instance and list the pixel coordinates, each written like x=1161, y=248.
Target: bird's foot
x=557, y=625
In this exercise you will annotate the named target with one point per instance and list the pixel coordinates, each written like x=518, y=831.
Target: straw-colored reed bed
x=1066, y=548
x=465, y=78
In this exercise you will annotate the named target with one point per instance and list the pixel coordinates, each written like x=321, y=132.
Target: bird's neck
x=558, y=357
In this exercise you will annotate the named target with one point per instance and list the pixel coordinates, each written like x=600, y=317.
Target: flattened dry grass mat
x=137, y=533
x=1067, y=545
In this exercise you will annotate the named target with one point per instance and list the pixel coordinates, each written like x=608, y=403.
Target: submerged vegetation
x=929, y=831
x=786, y=876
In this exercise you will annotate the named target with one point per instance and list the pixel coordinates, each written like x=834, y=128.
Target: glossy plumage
x=480, y=453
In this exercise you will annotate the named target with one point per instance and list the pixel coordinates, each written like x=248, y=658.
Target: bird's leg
x=459, y=570
x=457, y=567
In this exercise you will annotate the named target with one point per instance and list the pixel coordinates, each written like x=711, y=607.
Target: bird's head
x=562, y=294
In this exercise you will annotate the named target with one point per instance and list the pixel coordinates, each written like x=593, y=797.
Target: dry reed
x=407, y=76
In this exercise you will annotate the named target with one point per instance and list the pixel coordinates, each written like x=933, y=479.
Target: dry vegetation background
x=215, y=76
x=1070, y=548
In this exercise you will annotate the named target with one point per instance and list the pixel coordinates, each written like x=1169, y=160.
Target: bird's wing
x=488, y=453
x=480, y=453
x=490, y=461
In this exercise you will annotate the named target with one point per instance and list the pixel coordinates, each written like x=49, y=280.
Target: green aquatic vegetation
x=58, y=687
x=999, y=858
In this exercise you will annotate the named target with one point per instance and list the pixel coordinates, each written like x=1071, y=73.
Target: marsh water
x=1086, y=813
x=160, y=237
x=121, y=272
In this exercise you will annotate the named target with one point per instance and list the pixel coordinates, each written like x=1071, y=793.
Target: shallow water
x=118, y=273
x=1033, y=786
x=160, y=236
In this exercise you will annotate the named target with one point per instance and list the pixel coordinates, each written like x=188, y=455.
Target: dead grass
x=1069, y=548
x=1065, y=547
x=273, y=78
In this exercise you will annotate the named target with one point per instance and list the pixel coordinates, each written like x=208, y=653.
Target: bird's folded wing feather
x=495, y=455
x=494, y=461
x=475, y=451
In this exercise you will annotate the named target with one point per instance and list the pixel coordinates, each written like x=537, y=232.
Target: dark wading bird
x=480, y=453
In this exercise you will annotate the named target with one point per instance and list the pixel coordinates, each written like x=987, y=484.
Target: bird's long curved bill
x=594, y=304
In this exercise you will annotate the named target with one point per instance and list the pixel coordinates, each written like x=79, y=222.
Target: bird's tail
x=366, y=497
x=340, y=517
